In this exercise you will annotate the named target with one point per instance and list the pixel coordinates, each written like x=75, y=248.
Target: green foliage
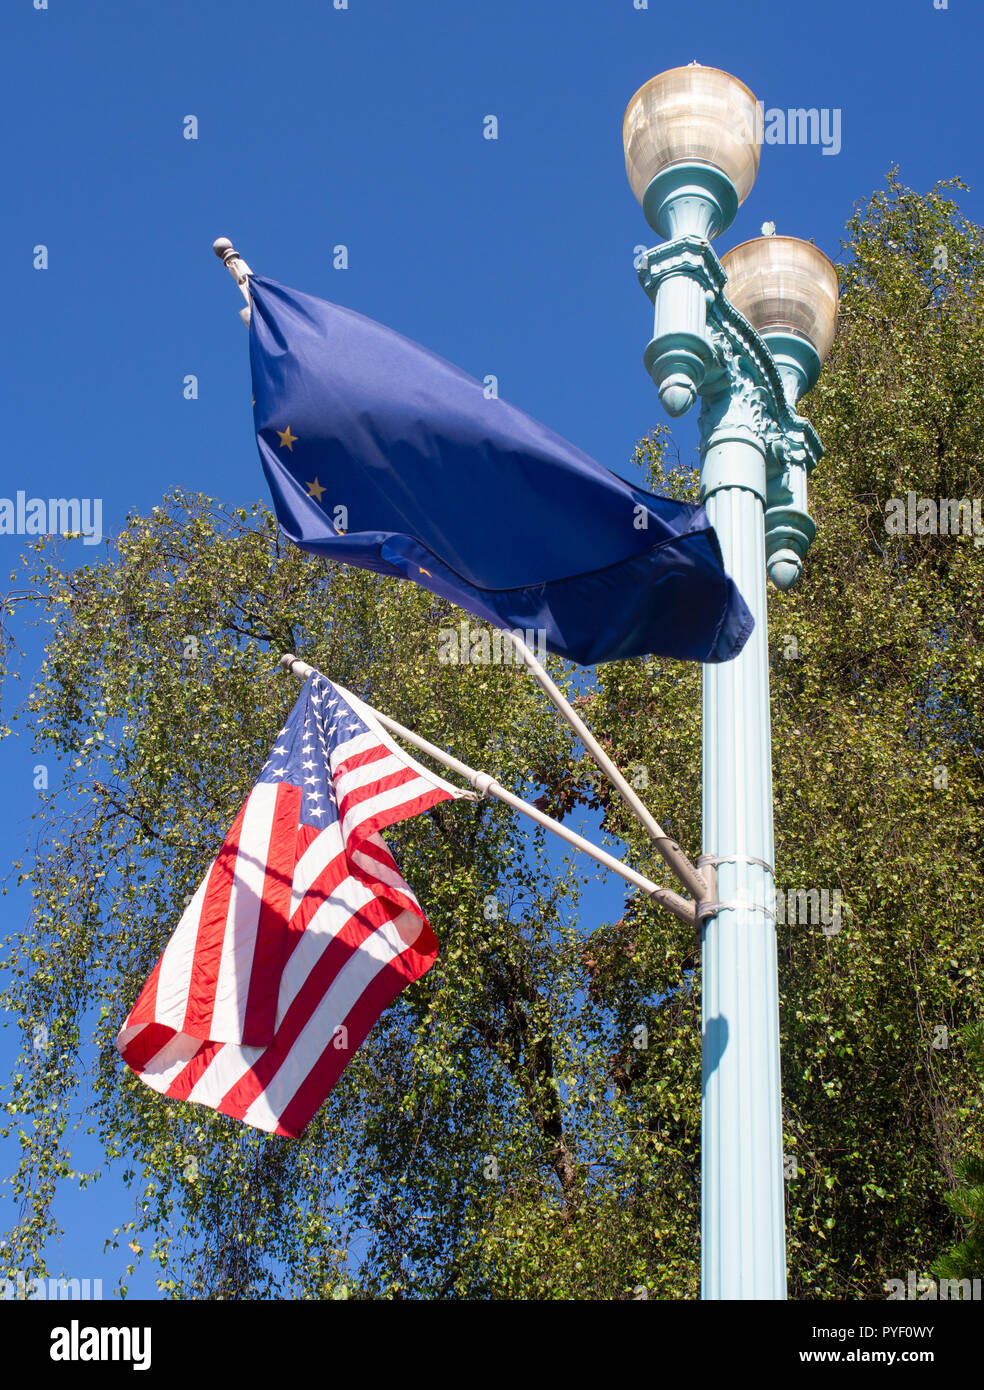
x=525, y=1121
x=876, y=664
x=159, y=697
x=966, y=1259
x=878, y=739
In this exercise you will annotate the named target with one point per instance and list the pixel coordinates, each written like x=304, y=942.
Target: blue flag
x=380, y=454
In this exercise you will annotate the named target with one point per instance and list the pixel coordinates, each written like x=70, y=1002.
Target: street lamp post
x=692, y=143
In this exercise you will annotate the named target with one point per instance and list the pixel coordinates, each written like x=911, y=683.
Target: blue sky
x=363, y=128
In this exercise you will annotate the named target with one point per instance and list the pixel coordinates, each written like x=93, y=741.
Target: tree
x=876, y=660
x=525, y=1121
x=158, y=692
x=966, y=1259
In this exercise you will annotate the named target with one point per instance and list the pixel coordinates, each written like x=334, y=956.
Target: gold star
x=287, y=440
x=315, y=490
x=427, y=572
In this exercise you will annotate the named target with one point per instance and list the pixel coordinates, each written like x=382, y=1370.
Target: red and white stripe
x=295, y=942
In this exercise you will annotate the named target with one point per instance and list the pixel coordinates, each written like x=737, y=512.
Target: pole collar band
x=705, y=910
x=716, y=859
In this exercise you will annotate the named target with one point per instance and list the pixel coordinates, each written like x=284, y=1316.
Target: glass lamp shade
x=784, y=285
x=692, y=115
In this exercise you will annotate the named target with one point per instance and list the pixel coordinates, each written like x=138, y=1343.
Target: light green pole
x=692, y=142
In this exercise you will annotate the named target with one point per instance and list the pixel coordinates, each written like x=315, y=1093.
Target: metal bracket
x=735, y=859
x=704, y=910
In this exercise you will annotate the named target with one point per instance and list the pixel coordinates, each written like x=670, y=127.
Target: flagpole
x=237, y=268
x=486, y=785
x=694, y=882
x=699, y=883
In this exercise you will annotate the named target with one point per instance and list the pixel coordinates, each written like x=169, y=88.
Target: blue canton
x=319, y=722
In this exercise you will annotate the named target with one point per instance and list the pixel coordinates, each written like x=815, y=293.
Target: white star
x=279, y=772
x=309, y=763
x=318, y=811
x=281, y=749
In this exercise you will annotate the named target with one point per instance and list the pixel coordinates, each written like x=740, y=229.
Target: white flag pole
x=485, y=785
x=671, y=852
x=701, y=887
x=237, y=268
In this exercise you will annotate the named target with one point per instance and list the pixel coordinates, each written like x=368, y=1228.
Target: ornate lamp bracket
x=682, y=278
x=702, y=345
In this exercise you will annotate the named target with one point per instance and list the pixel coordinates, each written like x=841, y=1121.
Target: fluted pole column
x=743, y=1251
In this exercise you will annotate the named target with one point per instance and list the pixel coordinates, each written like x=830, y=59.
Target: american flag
x=301, y=933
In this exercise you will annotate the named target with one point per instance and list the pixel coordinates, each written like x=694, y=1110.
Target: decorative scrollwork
x=745, y=407
x=749, y=366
